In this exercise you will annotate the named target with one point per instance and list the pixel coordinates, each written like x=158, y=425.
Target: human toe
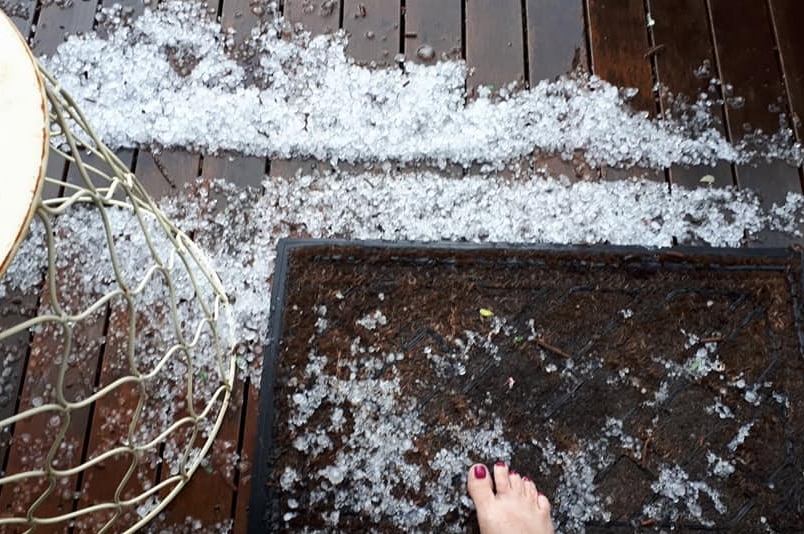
x=529, y=488
x=516, y=482
x=479, y=485
x=502, y=480
x=543, y=503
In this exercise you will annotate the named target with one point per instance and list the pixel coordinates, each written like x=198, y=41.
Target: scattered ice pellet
x=739, y=439
x=720, y=409
x=370, y=321
x=719, y=466
x=751, y=396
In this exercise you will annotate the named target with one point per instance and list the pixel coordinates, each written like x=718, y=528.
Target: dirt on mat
x=639, y=390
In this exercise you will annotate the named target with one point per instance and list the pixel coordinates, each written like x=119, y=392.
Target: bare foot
x=516, y=508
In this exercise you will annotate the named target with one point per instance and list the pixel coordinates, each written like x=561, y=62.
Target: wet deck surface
x=753, y=45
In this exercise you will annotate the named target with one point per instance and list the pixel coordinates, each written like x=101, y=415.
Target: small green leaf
x=708, y=179
x=485, y=312
x=519, y=339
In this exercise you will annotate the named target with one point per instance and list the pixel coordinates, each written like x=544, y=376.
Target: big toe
x=479, y=485
x=543, y=503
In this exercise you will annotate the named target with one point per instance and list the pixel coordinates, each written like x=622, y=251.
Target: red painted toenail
x=480, y=471
x=511, y=472
x=500, y=464
x=526, y=479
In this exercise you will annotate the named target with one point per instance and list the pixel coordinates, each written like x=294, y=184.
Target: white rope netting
x=116, y=345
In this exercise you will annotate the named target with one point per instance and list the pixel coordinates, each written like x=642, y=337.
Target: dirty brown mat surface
x=637, y=388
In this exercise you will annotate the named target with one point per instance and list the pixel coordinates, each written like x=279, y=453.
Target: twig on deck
x=645, y=446
x=653, y=50
x=713, y=339
x=546, y=346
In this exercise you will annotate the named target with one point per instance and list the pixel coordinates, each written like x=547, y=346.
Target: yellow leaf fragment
x=485, y=312
x=708, y=179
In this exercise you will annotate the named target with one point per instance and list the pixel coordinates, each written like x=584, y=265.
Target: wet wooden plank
x=206, y=498
x=691, y=177
x=209, y=495
x=788, y=16
x=110, y=429
x=619, y=42
x=292, y=167
x=54, y=24
x=745, y=43
x=56, y=170
x=15, y=308
x=575, y=169
x=613, y=173
x=432, y=34
x=205, y=503
x=684, y=45
x=316, y=16
x=495, y=55
x=36, y=437
x=373, y=27
x=21, y=13
x=244, y=171
x=74, y=174
x=744, y=39
x=248, y=447
x=166, y=173
x=556, y=38
x=138, y=6
x=126, y=10
x=556, y=45
x=95, y=330
x=112, y=416
x=240, y=17
x=57, y=21
x=494, y=43
x=432, y=26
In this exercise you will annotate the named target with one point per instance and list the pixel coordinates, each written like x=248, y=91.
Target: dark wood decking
x=751, y=44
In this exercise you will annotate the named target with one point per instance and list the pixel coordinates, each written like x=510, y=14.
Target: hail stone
x=425, y=52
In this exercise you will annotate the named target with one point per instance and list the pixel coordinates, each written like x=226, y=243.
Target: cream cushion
x=23, y=138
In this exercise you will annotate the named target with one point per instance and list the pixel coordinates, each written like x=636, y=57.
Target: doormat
x=639, y=389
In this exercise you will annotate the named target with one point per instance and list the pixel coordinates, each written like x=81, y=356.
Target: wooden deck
x=751, y=44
